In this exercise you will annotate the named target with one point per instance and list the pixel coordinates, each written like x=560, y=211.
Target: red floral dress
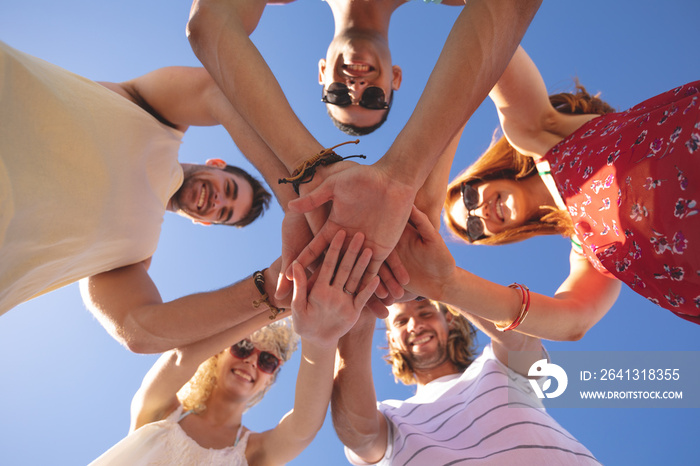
x=630, y=181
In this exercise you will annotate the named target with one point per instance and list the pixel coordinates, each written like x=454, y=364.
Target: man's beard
x=426, y=361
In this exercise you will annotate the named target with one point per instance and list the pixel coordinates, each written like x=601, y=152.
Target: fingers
x=331, y=259
x=377, y=308
x=421, y=222
x=347, y=274
x=313, y=251
x=366, y=293
x=316, y=198
x=399, y=272
x=389, y=280
x=299, y=296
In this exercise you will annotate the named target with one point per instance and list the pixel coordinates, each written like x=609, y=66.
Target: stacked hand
x=364, y=199
x=326, y=306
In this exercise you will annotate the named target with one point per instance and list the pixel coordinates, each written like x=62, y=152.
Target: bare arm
x=156, y=398
x=356, y=419
x=142, y=322
x=476, y=52
x=580, y=302
x=218, y=32
x=322, y=314
x=529, y=121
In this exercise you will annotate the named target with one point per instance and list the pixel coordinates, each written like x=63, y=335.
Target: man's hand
x=365, y=199
x=331, y=307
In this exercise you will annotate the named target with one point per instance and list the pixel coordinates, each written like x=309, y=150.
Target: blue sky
x=67, y=385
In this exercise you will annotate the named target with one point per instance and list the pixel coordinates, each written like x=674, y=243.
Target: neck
x=425, y=376
x=540, y=195
x=223, y=412
x=351, y=16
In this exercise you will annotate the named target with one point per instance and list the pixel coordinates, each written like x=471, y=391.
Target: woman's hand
x=332, y=305
x=425, y=256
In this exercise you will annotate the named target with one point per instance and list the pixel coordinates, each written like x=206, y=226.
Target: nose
x=414, y=325
x=480, y=211
x=356, y=87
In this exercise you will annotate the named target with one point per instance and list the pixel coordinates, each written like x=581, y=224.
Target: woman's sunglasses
x=339, y=94
x=475, y=224
x=267, y=362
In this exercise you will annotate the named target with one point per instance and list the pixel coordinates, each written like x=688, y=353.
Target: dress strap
x=238, y=434
x=184, y=415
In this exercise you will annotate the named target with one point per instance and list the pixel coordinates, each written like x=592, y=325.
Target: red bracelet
x=525, y=307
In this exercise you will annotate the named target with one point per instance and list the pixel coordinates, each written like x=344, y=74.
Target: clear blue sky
x=66, y=385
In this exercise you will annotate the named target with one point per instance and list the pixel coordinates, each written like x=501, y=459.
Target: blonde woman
x=202, y=422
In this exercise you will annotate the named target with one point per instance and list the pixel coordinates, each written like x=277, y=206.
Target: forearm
x=357, y=422
x=145, y=324
x=476, y=52
x=312, y=395
x=566, y=316
x=218, y=32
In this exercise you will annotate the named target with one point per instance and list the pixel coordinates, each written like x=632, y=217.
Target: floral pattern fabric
x=630, y=182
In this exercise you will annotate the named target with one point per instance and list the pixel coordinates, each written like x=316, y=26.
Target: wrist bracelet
x=525, y=307
x=259, y=280
x=305, y=172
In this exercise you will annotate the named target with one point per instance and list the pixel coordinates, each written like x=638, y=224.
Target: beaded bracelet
x=525, y=307
x=259, y=280
x=305, y=172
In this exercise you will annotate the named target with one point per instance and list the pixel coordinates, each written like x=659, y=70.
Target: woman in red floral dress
x=623, y=186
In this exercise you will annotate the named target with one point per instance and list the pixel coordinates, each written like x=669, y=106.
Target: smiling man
x=467, y=409
x=87, y=172
x=357, y=75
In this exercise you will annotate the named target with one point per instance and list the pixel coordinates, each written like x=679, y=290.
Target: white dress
x=165, y=443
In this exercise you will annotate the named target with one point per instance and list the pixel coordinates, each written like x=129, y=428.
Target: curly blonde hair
x=461, y=346
x=278, y=336
x=502, y=161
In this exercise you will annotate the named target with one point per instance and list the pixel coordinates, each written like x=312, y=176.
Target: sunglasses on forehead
x=338, y=94
x=267, y=362
x=475, y=225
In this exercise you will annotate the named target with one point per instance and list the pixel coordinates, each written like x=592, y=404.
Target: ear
x=200, y=222
x=397, y=77
x=321, y=70
x=218, y=163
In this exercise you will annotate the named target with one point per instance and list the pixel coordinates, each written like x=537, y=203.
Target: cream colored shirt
x=85, y=176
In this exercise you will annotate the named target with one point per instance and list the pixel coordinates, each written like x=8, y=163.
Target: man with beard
x=87, y=171
x=466, y=407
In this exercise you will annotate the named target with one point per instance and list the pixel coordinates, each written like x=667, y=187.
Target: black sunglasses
x=338, y=94
x=475, y=225
x=267, y=362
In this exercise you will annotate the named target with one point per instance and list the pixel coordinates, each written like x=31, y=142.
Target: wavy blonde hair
x=461, y=345
x=502, y=161
x=278, y=336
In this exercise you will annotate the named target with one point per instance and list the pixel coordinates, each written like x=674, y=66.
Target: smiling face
x=359, y=62
x=419, y=331
x=211, y=195
x=242, y=376
x=501, y=204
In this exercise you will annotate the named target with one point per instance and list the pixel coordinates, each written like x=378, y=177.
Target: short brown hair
x=461, y=346
x=502, y=161
x=261, y=196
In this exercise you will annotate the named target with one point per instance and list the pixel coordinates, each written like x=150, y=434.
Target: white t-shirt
x=466, y=419
x=85, y=177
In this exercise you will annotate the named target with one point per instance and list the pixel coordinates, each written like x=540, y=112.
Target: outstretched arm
x=322, y=314
x=358, y=423
x=579, y=303
x=142, y=322
x=476, y=52
x=529, y=122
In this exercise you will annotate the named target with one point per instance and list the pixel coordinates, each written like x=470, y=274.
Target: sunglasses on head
x=338, y=94
x=267, y=362
x=475, y=225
